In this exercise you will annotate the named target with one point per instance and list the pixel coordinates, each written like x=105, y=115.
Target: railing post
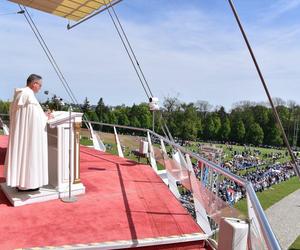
x=202, y=170
x=201, y=215
x=258, y=218
x=211, y=178
x=183, y=165
x=97, y=142
x=151, y=153
x=119, y=148
x=171, y=180
x=217, y=184
x=163, y=148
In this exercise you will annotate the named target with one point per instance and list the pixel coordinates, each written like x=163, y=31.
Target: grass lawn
x=228, y=153
x=272, y=195
x=262, y=150
x=295, y=245
x=131, y=144
x=86, y=141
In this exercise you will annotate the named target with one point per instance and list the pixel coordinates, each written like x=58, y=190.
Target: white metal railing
x=256, y=215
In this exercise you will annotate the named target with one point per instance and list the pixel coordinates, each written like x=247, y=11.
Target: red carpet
x=124, y=200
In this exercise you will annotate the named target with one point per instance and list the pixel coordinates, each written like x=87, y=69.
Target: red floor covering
x=124, y=200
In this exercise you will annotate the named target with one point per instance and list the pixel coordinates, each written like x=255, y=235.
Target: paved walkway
x=284, y=217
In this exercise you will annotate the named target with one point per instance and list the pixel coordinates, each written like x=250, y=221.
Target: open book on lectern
x=63, y=117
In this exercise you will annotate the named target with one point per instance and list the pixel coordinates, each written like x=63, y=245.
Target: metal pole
x=153, y=121
x=70, y=198
x=269, y=236
x=266, y=89
x=295, y=137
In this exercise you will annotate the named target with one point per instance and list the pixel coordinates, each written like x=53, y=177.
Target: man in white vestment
x=27, y=154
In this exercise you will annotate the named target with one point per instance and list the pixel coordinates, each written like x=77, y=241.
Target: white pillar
x=120, y=152
x=201, y=215
x=151, y=154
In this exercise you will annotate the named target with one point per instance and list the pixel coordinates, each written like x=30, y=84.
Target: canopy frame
x=109, y=5
x=72, y=10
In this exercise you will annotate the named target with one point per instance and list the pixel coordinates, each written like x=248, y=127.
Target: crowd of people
x=262, y=179
x=263, y=174
x=250, y=158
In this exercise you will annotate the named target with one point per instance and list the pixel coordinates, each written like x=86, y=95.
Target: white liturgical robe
x=27, y=155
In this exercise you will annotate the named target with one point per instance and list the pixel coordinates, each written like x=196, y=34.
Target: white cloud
x=279, y=8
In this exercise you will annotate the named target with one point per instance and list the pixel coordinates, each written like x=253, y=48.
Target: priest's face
x=36, y=86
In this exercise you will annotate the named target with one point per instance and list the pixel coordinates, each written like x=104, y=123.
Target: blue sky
x=189, y=49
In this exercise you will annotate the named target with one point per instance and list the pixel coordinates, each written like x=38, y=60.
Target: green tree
x=93, y=116
x=209, y=128
x=217, y=126
x=86, y=107
x=273, y=134
x=261, y=115
x=112, y=119
x=134, y=122
x=102, y=111
x=225, y=129
x=212, y=126
x=122, y=118
x=255, y=134
x=222, y=113
x=238, y=131
x=284, y=115
x=141, y=113
x=4, y=107
x=170, y=110
x=188, y=122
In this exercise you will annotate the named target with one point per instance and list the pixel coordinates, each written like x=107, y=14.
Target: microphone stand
x=70, y=198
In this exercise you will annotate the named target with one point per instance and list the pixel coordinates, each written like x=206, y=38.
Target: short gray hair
x=32, y=78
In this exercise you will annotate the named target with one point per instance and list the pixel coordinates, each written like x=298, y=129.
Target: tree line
x=245, y=123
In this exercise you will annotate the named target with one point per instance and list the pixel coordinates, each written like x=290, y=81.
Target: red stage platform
x=125, y=203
